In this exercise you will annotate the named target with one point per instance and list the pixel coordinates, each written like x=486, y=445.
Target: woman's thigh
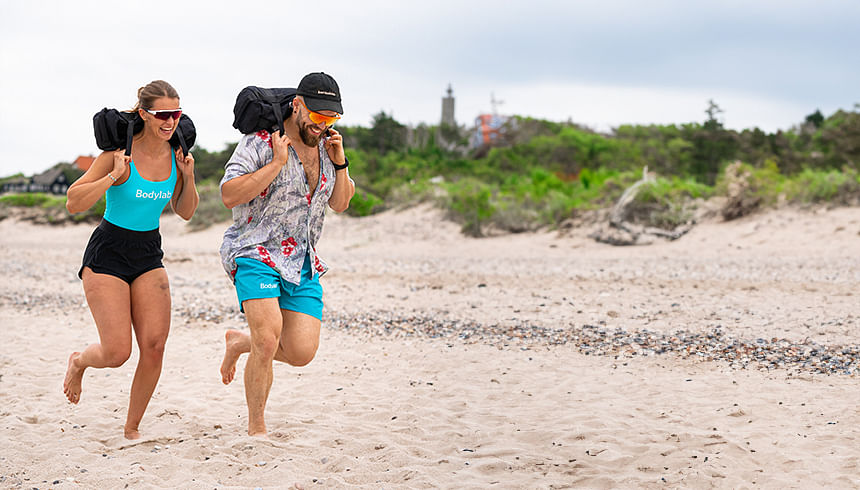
x=109, y=300
x=150, y=307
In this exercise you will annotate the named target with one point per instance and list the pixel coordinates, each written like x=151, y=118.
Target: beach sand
x=725, y=359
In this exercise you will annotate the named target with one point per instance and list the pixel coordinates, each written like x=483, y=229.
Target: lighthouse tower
x=448, y=109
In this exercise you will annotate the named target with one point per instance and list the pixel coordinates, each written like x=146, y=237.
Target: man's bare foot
x=131, y=434
x=236, y=342
x=72, y=381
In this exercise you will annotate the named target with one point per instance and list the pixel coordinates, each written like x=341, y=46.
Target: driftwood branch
x=619, y=211
x=623, y=232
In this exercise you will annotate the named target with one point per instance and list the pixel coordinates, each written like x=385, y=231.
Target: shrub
x=817, y=186
x=667, y=203
x=33, y=199
x=413, y=193
x=469, y=203
x=364, y=203
x=210, y=209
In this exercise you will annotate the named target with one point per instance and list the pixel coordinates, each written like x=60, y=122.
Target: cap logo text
x=322, y=92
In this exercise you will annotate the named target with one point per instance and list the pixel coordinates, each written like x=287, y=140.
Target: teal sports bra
x=137, y=203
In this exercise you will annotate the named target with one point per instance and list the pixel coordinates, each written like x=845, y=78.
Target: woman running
x=124, y=279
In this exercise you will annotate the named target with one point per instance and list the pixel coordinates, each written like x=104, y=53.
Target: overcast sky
x=767, y=64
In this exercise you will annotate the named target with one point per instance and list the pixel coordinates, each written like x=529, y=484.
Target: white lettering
x=268, y=286
x=323, y=92
x=153, y=195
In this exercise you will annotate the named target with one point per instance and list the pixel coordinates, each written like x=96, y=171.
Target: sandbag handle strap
x=129, y=137
x=270, y=96
x=182, y=143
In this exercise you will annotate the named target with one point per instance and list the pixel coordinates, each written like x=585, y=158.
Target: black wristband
x=341, y=167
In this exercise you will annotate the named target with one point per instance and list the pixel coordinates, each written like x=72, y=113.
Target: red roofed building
x=84, y=162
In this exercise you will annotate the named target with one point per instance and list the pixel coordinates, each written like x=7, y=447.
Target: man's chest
x=309, y=161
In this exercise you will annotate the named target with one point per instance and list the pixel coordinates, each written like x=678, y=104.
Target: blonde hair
x=147, y=95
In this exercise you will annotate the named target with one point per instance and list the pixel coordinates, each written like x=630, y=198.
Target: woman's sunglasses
x=318, y=118
x=166, y=114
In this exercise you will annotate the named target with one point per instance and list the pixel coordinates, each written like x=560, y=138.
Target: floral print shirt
x=283, y=224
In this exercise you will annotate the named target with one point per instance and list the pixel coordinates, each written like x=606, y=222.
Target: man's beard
x=308, y=138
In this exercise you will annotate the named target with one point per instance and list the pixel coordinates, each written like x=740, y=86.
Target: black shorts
x=123, y=253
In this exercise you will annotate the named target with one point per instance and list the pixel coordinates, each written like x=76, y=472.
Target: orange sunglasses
x=318, y=118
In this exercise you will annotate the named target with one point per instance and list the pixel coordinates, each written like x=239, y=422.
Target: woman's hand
x=120, y=164
x=185, y=164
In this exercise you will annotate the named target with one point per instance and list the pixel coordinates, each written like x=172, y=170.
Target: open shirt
x=284, y=222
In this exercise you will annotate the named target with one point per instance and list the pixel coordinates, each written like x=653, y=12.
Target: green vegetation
x=540, y=173
x=54, y=207
x=833, y=186
x=209, y=165
x=33, y=199
x=211, y=209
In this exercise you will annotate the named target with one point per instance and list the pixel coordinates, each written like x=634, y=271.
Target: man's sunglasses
x=318, y=118
x=166, y=114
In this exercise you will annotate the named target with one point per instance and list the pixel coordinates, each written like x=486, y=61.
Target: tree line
x=539, y=172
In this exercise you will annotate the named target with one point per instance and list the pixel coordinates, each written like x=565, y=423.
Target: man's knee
x=264, y=344
x=302, y=360
x=301, y=353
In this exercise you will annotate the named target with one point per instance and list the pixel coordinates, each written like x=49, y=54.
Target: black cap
x=320, y=92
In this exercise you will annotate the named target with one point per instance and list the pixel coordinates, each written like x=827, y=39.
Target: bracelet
x=341, y=167
x=112, y=178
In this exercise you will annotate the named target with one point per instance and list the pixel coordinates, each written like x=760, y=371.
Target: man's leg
x=300, y=338
x=298, y=344
x=237, y=343
x=265, y=323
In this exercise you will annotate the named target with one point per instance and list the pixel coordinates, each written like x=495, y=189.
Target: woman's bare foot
x=72, y=381
x=238, y=343
x=259, y=435
x=131, y=434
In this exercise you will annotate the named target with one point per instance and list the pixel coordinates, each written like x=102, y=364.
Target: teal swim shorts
x=256, y=280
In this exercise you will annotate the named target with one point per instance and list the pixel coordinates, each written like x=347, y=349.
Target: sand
x=400, y=397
